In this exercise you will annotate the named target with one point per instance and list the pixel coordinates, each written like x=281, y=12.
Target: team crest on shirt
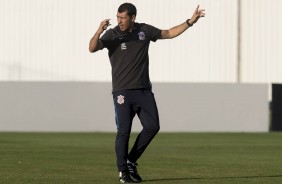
x=120, y=99
x=141, y=35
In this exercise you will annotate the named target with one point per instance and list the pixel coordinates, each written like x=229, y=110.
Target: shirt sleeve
x=154, y=32
x=106, y=38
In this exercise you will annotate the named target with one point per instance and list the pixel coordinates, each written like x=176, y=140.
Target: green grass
x=211, y=158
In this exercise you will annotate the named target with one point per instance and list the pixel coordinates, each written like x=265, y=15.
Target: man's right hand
x=104, y=25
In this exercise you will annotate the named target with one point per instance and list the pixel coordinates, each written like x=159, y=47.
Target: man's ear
x=133, y=18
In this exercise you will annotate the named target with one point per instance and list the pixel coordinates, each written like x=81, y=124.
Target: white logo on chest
x=123, y=46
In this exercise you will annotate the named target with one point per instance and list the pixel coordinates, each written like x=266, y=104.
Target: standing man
x=128, y=45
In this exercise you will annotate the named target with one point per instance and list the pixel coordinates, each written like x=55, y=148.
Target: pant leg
x=124, y=115
x=148, y=115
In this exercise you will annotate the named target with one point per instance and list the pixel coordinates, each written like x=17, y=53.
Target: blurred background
x=50, y=82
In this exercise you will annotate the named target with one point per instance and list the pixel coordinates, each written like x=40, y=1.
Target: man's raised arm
x=95, y=44
x=178, y=30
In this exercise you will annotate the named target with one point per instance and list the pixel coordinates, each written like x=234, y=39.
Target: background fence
x=238, y=41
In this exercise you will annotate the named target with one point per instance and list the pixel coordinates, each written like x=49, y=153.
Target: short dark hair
x=130, y=8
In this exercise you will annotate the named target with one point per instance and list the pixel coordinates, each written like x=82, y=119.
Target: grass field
x=211, y=158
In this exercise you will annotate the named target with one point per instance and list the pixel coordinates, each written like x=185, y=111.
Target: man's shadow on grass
x=211, y=178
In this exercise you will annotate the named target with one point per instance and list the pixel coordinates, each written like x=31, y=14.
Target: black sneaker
x=124, y=177
x=133, y=171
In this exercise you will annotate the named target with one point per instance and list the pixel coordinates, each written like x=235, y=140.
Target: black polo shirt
x=128, y=53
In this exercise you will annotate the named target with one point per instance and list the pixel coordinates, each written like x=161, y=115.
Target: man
x=128, y=45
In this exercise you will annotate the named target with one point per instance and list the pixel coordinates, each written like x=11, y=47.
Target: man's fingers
x=199, y=12
x=202, y=12
x=196, y=10
x=105, y=23
x=105, y=26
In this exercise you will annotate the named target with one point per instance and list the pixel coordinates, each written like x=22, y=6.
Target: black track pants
x=127, y=104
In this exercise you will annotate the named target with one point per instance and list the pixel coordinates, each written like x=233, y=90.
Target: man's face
x=125, y=22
